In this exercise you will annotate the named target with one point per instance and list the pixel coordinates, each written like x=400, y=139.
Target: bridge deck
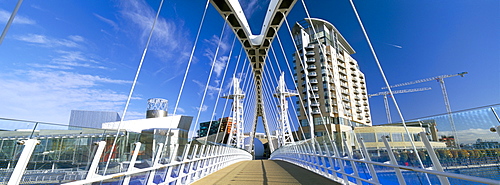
x=263, y=172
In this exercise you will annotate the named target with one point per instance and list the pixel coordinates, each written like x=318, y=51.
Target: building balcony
x=356, y=92
x=311, y=67
x=358, y=105
x=356, y=98
x=310, y=53
x=309, y=47
x=359, y=111
x=345, y=99
x=313, y=81
x=363, y=92
x=316, y=96
x=311, y=60
x=316, y=112
x=315, y=88
x=314, y=104
x=312, y=74
x=354, y=79
x=367, y=115
x=355, y=85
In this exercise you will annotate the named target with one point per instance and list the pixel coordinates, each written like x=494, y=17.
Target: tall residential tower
x=332, y=89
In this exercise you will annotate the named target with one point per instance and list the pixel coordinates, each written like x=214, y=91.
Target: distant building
x=480, y=144
x=90, y=119
x=216, y=126
x=397, y=137
x=449, y=140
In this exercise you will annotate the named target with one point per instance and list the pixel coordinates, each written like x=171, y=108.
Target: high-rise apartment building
x=332, y=89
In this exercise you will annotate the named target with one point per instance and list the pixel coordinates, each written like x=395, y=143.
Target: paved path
x=265, y=172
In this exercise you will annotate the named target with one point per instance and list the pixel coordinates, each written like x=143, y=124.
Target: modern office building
x=216, y=126
x=332, y=88
x=90, y=119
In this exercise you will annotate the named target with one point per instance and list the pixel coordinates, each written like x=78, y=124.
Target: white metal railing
x=322, y=156
x=193, y=163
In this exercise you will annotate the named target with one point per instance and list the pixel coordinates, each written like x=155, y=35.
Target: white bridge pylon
x=236, y=137
x=256, y=46
x=284, y=132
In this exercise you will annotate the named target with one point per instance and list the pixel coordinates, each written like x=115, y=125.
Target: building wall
x=337, y=94
x=91, y=119
x=398, y=139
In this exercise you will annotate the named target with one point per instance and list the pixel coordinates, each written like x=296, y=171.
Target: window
x=380, y=134
x=368, y=137
x=397, y=137
x=304, y=123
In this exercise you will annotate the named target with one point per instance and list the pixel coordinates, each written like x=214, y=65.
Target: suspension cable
x=191, y=58
x=388, y=87
x=227, y=99
x=133, y=87
x=210, y=75
x=220, y=90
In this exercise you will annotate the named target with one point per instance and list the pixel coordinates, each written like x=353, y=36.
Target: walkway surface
x=263, y=172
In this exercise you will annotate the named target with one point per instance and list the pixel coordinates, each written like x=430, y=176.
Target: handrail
x=309, y=160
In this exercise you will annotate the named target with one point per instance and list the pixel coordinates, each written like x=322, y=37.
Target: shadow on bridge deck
x=264, y=172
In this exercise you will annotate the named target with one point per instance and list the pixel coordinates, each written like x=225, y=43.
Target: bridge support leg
x=93, y=167
x=434, y=159
x=401, y=179
x=17, y=174
x=131, y=165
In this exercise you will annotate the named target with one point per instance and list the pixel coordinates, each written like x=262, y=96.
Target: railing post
x=155, y=163
x=401, y=179
x=367, y=157
x=353, y=164
x=332, y=166
x=93, y=167
x=169, y=172
x=17, y=174
x=132, y=162
x=434, y=159
x=340, y=162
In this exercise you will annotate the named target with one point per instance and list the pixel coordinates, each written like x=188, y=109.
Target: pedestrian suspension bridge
x=261, y=97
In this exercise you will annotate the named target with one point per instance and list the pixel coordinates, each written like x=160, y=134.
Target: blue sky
x=65, y=55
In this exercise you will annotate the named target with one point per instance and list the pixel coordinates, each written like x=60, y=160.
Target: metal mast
x=440, y=79
x=386, y=102
x=236, y=136
x=284, y=132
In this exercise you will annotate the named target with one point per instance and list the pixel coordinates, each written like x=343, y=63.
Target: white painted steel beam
x=256, y=45
x=24, y=158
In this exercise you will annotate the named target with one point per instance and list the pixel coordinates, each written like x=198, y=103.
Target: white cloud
x=51, y=95
x=76, y=38
x=108, y=21
x=169, y=42
x=180, y=110
x=75, y=59
x=5, y=16
x=203, y=108
x=46, y=41
x=211, y=90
